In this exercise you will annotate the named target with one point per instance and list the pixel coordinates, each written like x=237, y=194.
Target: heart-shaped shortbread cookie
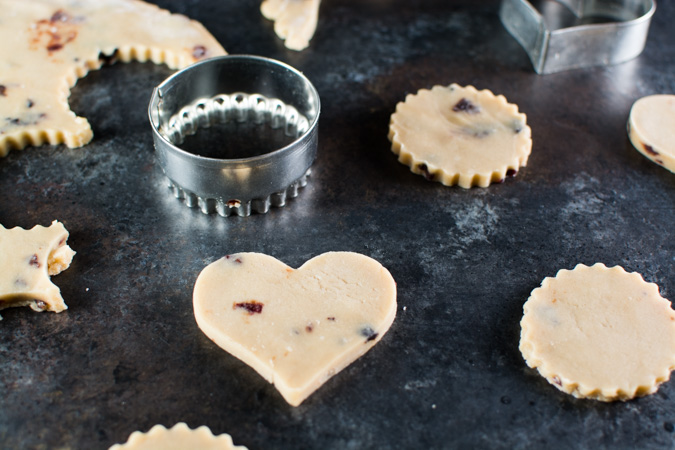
x=295, y=327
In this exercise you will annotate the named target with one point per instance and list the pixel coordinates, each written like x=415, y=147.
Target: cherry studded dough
x=27, y=259
x=296, y=327
x=651, y=129
x=459, y=135
x=46, y=45
x=600, y=333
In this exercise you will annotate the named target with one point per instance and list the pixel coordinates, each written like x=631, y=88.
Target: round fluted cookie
x=179, y=437
x=460, y=135
x=651, y=129
x=600, y=333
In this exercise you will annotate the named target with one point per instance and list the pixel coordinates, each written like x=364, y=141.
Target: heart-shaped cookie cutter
x=552, y=47
x=235, y=89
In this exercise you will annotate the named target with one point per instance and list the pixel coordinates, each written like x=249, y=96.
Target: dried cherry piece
x=425, y=171
x=466, y=106
x=198, y=51
x=649, y=149
x=369, y=333
x=251, y=306
x=34, y=261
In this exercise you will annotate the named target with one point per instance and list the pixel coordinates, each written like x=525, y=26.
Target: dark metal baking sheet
x=128, y=354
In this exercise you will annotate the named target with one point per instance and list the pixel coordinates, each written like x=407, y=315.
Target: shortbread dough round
x=180, y=437
x=459, y=135
x=600, y=333
x=651, y=129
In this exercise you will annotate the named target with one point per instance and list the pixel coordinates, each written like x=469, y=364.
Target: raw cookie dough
x=46, y=45
x=651, y=129
x=180, y=437
x=599, y=333
x=459, y=135
x=27, y=259
x=295, y=327
x=294, y=20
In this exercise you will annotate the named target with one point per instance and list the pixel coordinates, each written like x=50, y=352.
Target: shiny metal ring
x=553, y=44
x=238, y=88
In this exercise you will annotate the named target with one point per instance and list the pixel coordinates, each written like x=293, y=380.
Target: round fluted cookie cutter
x=235, y=88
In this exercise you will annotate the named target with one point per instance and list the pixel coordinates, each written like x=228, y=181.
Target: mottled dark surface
x=128, y=354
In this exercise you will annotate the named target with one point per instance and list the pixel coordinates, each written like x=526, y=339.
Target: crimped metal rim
x=175, y=78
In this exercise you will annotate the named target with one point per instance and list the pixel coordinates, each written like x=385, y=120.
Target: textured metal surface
x=238, y=207
x=556, y=43
x=235, y=88
x=448, y=374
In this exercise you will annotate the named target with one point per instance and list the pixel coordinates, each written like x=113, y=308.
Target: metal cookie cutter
x=595, y=32
x=235, y=89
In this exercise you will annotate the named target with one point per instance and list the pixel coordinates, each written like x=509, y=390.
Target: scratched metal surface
x=128, y=354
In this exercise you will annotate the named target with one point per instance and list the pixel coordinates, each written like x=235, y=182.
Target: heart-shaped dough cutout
x=295, y=327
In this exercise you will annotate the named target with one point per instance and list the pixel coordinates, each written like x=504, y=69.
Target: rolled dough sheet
x=46, y=45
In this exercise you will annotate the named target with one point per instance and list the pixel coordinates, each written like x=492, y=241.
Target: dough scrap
x=46, y=45
x=27, y=259
x=294, y=20
x=599, y=333
x=180, y=437
x=296, y=327
x=651, y=129
x=459, y=135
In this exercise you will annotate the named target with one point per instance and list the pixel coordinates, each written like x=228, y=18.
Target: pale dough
x=459, y=135
x=600, y=333
x=295, y=327
x=46, y=45
x=651, y=129
x=294, y=20
x=180, y=437
x=27, y=259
